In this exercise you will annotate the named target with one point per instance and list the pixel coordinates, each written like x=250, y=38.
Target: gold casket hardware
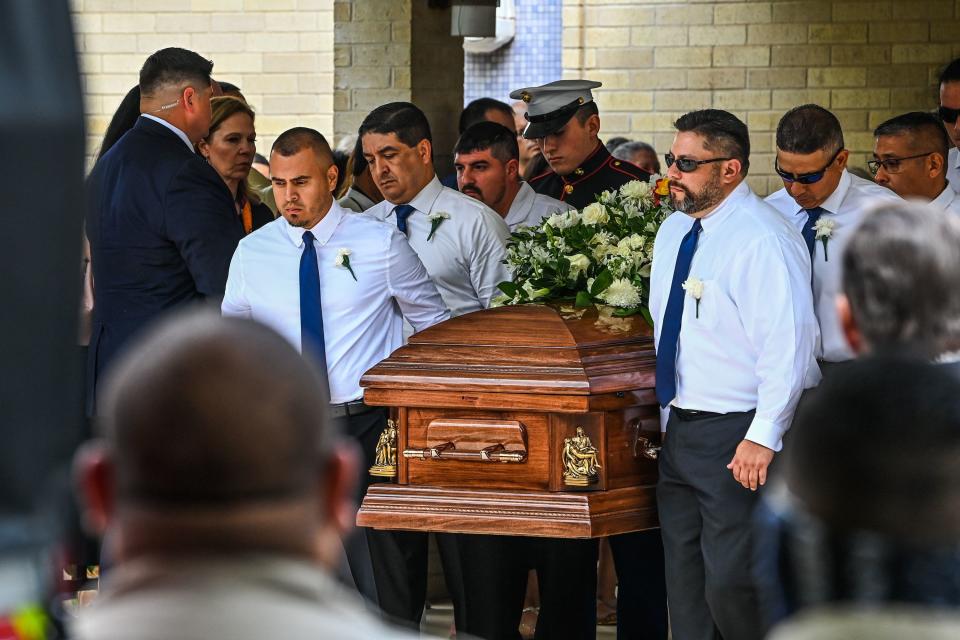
x=646, y=448
x=448, y=451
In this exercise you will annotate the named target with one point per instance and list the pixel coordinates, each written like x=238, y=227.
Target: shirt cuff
x=766, y=433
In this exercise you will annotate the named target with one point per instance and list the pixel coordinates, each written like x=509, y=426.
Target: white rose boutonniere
x=436, y=219
x=343, y=261
x=824, y=228
x=694, y=289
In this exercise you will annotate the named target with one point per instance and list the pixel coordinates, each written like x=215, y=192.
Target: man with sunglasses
x=825, y=203
x=949, y=113
x=732, y=360
x=910, y=156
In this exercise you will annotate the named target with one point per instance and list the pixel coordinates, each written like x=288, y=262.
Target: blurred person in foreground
x=230, y=148
x=869, y=510
x=223, y=490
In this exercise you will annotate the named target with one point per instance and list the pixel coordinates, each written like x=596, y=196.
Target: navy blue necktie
x=403, y=212
x=311, y=315
x=809, y=233
x=672, y=317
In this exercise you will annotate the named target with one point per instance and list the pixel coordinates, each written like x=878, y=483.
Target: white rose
x=341, y=254
x=595, y=214
x=694, y=287
x=578, y=263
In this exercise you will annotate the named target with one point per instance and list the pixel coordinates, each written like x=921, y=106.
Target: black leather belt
x=689, y=415
x=347, y=409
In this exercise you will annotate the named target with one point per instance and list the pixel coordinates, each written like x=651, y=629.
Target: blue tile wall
x=533, y=57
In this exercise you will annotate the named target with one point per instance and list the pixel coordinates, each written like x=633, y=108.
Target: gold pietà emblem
x=385, y=464
x=580, y=465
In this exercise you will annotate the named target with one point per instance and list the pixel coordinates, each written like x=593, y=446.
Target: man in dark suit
x=900, y=274
x=161, y=223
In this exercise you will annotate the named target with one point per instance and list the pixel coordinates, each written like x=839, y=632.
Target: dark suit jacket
x=162, y=228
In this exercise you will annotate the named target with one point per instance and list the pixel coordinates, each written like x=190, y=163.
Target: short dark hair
x=229, y=88
x=921, y=128
x=501, y=142
x=174, y=66
x=476, y=111
x=259, y=159
x=615, y=142
x=631, y=148
x=293, y=141
x=583, y=113
x=867, y=405
x=122, y=121
x=809, y=128
x=721, y=131
x=951, y=72
x=403, y=119
x=358, y=162
x=900, y=273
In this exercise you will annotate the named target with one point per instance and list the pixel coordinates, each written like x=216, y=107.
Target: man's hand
x=749, y=464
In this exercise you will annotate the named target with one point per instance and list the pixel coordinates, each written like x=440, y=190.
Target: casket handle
x=448, y=451
x=646, y=448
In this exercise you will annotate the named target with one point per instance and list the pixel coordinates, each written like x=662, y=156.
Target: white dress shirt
x=180, y=134
x=953, y=166
x=362, y=322
x=752, y=346
x=529, y=208
x=466, y=255
x=846, y=206
x=948, y=200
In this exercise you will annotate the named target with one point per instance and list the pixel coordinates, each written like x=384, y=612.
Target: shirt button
x=617, y=163
x=568, y=188
x=578, y=171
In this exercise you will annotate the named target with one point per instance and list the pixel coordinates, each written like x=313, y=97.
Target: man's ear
x=204, y=148
x=332, y=174
x=513, y=169
x=94, y=479
x=732, y=170
x=842, y=158
x=592, y=125
x=425, y=151
x=935, y=164
x=338, y=487
x=849, y=324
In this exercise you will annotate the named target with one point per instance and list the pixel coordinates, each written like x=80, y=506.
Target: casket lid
x=524, y=349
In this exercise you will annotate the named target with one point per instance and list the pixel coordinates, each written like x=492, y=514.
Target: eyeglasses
x=805, y=178
x=892, y=165
x=948, y=115
x=686, y=165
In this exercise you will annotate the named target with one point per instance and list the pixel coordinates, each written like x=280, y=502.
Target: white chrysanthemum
x=563, y=220
x=341, y=254
x=608, y=197
x=824, y=227
x=439, y=215
x=602, y=237
x=693, y=287
x=636, y=189
x=578, y=264
x=621, y=293
x=595, y=214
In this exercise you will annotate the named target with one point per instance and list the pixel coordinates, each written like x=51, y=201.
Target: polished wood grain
x=555, y=515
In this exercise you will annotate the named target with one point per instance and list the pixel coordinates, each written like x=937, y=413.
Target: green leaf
x=645, y=312
x=583, y=300
x=603, y=281
x=509, y=288
x=626, y=312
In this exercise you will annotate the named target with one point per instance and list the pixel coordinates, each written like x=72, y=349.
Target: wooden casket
x=529, y=420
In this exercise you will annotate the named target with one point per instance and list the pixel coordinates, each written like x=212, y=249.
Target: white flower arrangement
x=824, y=231
x=436, y=219
x=694, y=289
x=599, y=255
x=343, y=261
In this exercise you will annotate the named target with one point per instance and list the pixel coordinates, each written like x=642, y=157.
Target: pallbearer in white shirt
x=461, y=241
x=735, y=334
x=462, y=244
x=910, y=159
x=487, y=159
x=825, y=203
x=336, y=284
x=949, y=112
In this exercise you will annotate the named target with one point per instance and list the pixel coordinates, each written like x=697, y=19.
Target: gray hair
x=628, y=151
x=901, y=271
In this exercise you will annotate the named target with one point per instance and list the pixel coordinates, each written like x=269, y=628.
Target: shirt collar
x=423, y=201
x=729, y=204
x=180, y=134
x=833, y=202
x=945, y=198
x=322, y=231
x=521, y=204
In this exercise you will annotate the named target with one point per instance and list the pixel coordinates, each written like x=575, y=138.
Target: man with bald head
x=221, y=486
x=910, y=159
x=337, y=286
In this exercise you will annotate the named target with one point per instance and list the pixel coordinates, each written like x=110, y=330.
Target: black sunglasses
x=686, y=165
x=805, y=178
x=892, y=165
x=948, y=115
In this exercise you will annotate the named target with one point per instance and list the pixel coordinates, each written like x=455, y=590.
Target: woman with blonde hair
x=230, y=148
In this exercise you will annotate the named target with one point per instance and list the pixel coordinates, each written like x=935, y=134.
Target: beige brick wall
x=280, y=53
x=866, y=60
